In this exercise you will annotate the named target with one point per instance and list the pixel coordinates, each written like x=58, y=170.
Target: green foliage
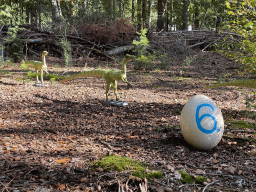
x=250, y=83
x=200, y=179
x=3, y=72
x=157, y=175
x=119, y=163
x=187, y=61
x=66, y=48
x=15, y=44
x=23, y=65
x=186, y=178
x=243, y=49
x=10, y=14
x=144, y=58
x=51, y=77
x=241, y=124
x=53, y=80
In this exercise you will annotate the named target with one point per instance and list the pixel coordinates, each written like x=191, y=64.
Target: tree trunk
x=149, y=12
x=167, y=17
x=196, y=21
x=114, y=9
x=218, y=22
x=85, y=4
x=160, y=12
x=139, y=15
x=56, y=12
x=133, y=10
x=185, y=14
x=144, y=13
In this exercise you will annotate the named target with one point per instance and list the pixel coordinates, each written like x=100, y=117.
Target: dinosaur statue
x=251, y=83
x=38, y=66
x=111, y=76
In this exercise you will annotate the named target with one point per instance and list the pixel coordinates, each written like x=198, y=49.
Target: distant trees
x=152, y=14
x=56, y=11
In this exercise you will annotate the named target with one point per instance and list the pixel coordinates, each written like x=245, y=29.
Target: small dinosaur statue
x=38, y=66
x=111, y=76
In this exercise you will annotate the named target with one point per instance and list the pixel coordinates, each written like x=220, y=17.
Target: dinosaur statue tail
x=251, y=83
x=93, y=73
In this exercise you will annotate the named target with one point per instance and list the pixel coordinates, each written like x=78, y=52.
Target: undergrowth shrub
x=15, y=45
x=51, y=77
x=243, y=49
x=147, y=58
x=66, y=49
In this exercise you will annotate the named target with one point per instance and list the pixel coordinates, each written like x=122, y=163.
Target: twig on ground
x=209, y=184
x=107, y=144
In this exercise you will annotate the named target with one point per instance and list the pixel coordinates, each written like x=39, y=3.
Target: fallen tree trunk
x=119, y=50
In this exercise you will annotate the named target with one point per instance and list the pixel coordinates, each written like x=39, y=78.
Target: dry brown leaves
x=51, y=136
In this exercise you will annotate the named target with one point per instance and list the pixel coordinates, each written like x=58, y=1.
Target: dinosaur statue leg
x=107, y=89
x=115, y=89
x=42, y=75
x=128, y=84
x=37, y=76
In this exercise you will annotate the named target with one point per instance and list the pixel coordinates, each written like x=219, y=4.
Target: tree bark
x=144, y=13
x=160, y=12
x=218, y=22
x=185, y=14
x=196, y=21
x=133, y=10
x=149, y=12
x=139, y=15
x=56, y=11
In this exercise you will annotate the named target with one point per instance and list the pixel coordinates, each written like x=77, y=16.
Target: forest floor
x=51, y=136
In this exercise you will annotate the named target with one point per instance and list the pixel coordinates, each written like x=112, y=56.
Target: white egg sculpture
x=202, y=123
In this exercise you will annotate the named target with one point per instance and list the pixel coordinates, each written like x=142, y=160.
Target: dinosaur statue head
x=128, y=58
x=44, y=53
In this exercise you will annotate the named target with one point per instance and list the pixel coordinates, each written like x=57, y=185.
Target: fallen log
x=119, y=50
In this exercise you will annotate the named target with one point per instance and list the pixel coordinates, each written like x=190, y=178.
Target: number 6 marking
x=199, y=119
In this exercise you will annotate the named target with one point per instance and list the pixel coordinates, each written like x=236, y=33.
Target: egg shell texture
x=202, y=123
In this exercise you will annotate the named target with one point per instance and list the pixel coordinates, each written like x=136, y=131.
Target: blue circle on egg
x=199, y=119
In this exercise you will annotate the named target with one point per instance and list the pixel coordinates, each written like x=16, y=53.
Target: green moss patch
x=119, y=163
x=186, y=178
x=200, y=180
x=241, y=124
x=3, y=72
x=48, y=77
